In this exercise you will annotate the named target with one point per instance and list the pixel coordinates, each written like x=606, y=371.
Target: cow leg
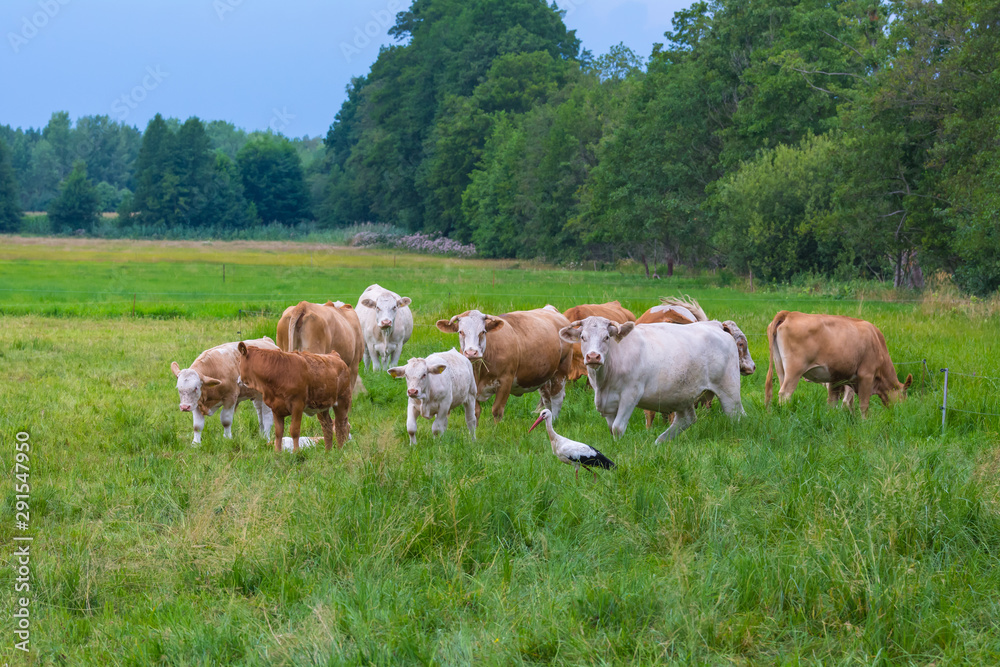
x=226, y=417
x=343, y=427
x=279, y=431
x=411, y=420
x=327, y=423
x=199, y=425
x=479, y=410
x=366, y=359
x=865, y=386
x=553, y=393
x=626, y=404
x=440, y=424
x=500, y=399
x=294, y=429
x=731, y=403
x=833, y=394
x=788, y=384
x=265, y=418
x=397, y=351
x=471, y=415
x=682, y=419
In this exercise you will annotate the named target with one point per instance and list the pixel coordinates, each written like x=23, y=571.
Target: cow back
x=527, y=346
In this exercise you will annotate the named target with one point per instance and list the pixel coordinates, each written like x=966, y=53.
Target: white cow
x=386, y=324
x=213, y=382
x=661, y=367
x=434, y=387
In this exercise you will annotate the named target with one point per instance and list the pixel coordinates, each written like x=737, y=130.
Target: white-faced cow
x=321, y=329
x=386, y=324
x=434, y=387
x=843, y=352
x=613, y=310
x=212, y=382
x=660, y=367
x=515, y=353
x=297, y=383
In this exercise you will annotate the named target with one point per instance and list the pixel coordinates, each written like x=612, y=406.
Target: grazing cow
x=514, y=353
x=674, y=309
x=321, y=329
x=293, y=383
x=434, y=387
x=612, y=310
x=212, y=382
x=659, y=367
x=386, y=324
x=844, y=352
x=687, y=311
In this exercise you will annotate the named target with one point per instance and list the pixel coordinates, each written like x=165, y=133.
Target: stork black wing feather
x=597, y=461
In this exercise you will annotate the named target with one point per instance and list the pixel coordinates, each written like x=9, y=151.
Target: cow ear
x=367, y=303
x=175, y=368
x=909, y=381
x=437, y=369
x=493, y=323
x=242, y=347
x=211, y=382
x=727, y=328
x=448, y=326
x=571, y=334
x=346, y=306
x=403, y=302
x=623, y=330
x=397, y=371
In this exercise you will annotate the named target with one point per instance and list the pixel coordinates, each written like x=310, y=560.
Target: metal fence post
x=944, y=404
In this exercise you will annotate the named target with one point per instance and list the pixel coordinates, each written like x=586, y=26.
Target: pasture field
x=799, y=535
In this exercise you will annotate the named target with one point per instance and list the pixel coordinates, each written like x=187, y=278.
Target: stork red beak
x=537, y=422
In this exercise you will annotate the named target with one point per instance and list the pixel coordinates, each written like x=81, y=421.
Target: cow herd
x=669, y=360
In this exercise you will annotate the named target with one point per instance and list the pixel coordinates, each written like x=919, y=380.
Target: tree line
x=850, y=139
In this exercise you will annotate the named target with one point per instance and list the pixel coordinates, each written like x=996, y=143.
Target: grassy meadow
x=799, y=535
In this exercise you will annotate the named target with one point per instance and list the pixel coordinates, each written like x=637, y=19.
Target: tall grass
x=798, y=535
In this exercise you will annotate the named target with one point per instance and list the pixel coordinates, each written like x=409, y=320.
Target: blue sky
x=258, y=64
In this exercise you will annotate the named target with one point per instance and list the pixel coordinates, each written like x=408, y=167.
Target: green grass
x=797, y=536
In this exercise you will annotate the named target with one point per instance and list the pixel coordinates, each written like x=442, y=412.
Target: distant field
x=799, y=535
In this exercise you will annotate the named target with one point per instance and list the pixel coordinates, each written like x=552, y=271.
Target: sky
x=258, y=64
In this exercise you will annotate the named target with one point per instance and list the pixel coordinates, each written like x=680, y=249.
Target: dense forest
x=847, y=139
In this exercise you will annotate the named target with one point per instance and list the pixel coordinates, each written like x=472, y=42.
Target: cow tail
x=772, y=350
x=293, y=327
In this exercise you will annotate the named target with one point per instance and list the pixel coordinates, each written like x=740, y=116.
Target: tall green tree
x=157, y=185
x=10, y=206
x=271, y=172
x=77, y=206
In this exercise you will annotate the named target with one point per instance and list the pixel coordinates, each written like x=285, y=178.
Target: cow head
x=471, y=327
x=385, y=307
x=190, y=384
x=747, y=366
x=416, y=372
x=892, y=391
x=594, y=335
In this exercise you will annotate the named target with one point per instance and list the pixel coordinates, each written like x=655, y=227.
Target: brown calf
x=293, y=383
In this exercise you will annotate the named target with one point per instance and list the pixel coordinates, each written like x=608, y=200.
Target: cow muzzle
x=412, y=393
x=748, y=369
x=385, y=324
x=185, y=407
x=593, y=359
x=471, y=353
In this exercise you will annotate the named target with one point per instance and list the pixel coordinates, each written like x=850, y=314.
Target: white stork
x=570, y=451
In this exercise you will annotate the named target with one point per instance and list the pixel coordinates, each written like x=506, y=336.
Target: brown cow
x=612, y=310
x=324, y=328
x=525, y=353
x=293, y=383
x=842, y=351
x=674, y=309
